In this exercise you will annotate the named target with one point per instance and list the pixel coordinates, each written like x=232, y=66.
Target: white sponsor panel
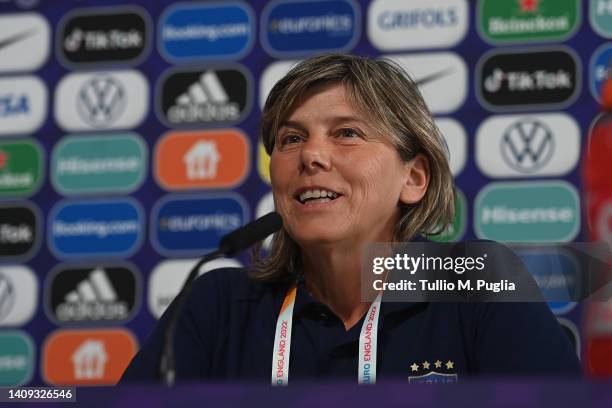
x=23, y=104
x=101, y=100
x=168, y=277
x=18, y=295
x=25, y=42
x=416, y=24
x=528, y=145
x=442, y=78
x=271, y=75
x=265, y=206
x=456, y=140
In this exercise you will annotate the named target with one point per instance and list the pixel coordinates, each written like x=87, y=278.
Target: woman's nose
x=316, y=155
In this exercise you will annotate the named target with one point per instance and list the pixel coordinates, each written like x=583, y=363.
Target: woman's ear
x=416, y=180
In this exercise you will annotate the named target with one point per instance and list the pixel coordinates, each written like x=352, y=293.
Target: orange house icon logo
x=205, y=159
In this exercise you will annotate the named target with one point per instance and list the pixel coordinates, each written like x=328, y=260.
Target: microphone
x=230, y=244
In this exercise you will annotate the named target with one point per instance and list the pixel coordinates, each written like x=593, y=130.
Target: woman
x=355, y=158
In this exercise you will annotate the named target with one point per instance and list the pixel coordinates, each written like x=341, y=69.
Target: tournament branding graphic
x=19, y=230
x=546, y=144
x=538, y=78
x=25, y=42
x=270, y=76
x=23, y=104
x=441, y=77
x=101, y=100
x=299, y=27
x=599, y=69
x=205, y=97
x=456, y=230
x=557, y=274
x=398, y=24
x=205, y=31
x=600, y=15
x=95, y=293
x=456, y=140
x=504, y=21
x=21, y=167
x=183, y=225
x=433, y=372
x=87, y=357
x=166, y=280
x=527, y=212
x=18, y=295
x=17, y=358
x=191, y=160
x=95, y=228
x=101, y=35
x=96, y=164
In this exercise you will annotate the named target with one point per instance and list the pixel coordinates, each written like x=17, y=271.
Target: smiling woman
x=355, y=158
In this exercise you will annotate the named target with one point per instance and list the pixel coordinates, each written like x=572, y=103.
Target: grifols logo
x=104, y=35
x=546, y=78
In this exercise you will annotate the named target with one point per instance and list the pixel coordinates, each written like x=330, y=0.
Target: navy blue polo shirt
x=227, y=326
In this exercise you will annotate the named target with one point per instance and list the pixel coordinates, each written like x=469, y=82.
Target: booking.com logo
x=298, y=27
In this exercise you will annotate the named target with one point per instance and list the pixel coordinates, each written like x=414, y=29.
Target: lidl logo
x=456, y=230
x=21, y=167
x=114, y=163
x=205, y=31
x=600, y=69
x=505, y=21
x=298, y=27
x=18, y=295
x=263, y=163
x=23, y=105
x=25, y=42
x=101, y=100
x=205, y=97
x=600, y=14
x=166, y=280
x=557, y=274
x=92, y=293
x=95, y=228
x=87, y=357
x=190, y=160
x=398, y=24
x=442, y=78
x=520, y=79
x=19, y=230
x=194, y=224
x=16, y=358
x=527, y=212
x=535, y=145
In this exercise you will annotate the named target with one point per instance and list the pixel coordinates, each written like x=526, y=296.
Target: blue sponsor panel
x=557, y=275
x=190, y=225
x=600, y=66
x=300, y=27
x=95, y=228
x=205, y=31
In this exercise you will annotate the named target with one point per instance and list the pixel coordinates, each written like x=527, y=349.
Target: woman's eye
x=349, y=133
x=290, y=139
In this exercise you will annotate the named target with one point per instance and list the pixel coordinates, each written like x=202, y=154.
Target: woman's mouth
x=316, y=196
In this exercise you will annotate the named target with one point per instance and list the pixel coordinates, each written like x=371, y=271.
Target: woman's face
x=334, y=178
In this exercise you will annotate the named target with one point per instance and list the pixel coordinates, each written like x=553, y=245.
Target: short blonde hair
x=384, y=92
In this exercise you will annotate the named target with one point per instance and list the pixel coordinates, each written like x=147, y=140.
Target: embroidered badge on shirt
x=437, y=372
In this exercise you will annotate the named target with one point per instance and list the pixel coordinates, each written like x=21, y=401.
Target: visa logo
x=14, y=105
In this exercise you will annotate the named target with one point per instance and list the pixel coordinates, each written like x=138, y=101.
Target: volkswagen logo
x=527, y=145
x=7, y=296
x=101, y=101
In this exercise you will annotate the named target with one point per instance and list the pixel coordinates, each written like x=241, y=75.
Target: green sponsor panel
x=600, y=13
x=21, y=167
x=503, y=21
x=527, y=212
x=454, y=231
x=16, y=358
x=99, y=164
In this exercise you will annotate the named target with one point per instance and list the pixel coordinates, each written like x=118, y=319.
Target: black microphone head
x=244, y=237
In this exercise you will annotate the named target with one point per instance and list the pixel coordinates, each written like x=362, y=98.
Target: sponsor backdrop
x=128, y=144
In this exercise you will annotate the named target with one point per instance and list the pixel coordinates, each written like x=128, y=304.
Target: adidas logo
x=94, y=298
x=205, y=100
